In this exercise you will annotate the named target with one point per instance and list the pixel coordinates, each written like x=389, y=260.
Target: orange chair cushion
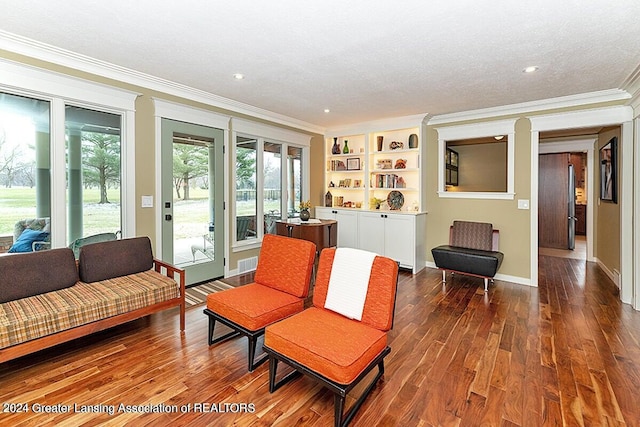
x=380, y=300
x=254, y=306
x=286, y=264
x=327, y=343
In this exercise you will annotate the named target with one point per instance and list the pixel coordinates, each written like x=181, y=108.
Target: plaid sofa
x=47, y=297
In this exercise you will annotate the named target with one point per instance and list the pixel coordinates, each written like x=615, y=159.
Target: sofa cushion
x=254, y=306
x=26, y=239
x=472, y=261
x=24, y=275
x=286, y=264
x=45, y=314
x=105, y=260
x=472, y=235
x=343, y=352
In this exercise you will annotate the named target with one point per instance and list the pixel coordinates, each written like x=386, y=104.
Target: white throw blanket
x=349, y=282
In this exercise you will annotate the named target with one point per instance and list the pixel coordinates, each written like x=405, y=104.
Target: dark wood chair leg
x=273, y=367
x=212, y=324
x=338, y=402
x=253, y=345
x=339, y=391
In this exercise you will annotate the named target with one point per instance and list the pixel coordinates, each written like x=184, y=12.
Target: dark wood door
x=581, y=220
x=553, y=220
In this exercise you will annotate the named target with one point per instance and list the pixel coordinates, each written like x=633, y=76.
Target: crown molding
x=45, y=52
x=386, y=124
x=569, y=101
x=632, y=85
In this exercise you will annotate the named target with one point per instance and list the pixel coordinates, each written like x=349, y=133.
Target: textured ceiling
x=364, y=60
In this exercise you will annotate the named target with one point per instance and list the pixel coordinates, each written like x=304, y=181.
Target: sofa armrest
x=5, y=243
x=172, y=271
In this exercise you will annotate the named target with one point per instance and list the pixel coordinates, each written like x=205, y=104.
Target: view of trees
x=189, y=163
x=246, y=167
x=101, y=162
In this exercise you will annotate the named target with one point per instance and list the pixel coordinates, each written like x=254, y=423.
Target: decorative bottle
x=336, y=148
x=345, y=150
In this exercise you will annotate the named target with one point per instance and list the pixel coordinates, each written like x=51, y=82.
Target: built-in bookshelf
x=375, y=164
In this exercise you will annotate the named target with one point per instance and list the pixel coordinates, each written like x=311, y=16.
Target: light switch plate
x=523, y=204
x=147, y=201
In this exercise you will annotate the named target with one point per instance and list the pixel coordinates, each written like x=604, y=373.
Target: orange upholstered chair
x=281, y=283
x=343, y=336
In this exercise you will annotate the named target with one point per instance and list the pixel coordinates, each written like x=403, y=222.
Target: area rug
x=197, y=295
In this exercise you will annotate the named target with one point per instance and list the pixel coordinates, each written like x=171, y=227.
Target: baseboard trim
x=504, y=277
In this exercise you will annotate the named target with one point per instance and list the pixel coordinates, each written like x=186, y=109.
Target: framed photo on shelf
x=353, y=164
x=357, y=183
x=609, y=171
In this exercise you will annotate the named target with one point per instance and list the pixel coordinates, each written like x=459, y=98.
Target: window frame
x=264, y=133
x=62, y=90
x=471, y=131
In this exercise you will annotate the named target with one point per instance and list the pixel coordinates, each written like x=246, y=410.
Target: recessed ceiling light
x=238, y=76
x=531, y=69
x=326, y=110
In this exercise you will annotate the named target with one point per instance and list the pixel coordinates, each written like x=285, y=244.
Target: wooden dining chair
x=281, y=283
x=343, y=336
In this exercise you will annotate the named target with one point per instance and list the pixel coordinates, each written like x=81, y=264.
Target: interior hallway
x=580, y=251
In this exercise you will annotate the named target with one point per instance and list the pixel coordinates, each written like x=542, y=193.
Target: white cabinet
x=347, y=225
x=397, y=236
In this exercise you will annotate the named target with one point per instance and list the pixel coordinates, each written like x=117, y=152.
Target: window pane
x=25, y=172
x=246, y=178
x=272, y=194
x=294, y=186
x=93, y=172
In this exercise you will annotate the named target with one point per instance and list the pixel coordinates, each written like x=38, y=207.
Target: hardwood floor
x=565, y=353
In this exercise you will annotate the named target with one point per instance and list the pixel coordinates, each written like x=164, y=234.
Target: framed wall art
x=353, y=164
x=609, y=171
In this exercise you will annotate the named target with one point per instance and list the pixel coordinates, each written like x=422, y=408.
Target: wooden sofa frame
x=47, y=341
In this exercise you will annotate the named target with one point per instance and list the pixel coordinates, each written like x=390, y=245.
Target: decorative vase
x=380, y=139
x=304, y=215
x=328, y=199
x=413, y=141
x=345, y=150
x=336, y=148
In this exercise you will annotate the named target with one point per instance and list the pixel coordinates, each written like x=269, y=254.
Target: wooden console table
x=323, y=234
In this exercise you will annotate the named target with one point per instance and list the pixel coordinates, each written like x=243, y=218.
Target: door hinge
x=224, y=262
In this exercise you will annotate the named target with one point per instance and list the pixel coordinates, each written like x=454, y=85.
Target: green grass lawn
x=18, y=203
x=191, y=217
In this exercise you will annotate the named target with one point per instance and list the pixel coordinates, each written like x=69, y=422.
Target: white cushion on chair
x=349, y=282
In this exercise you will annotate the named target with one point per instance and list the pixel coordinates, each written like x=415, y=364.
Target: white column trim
x=616, y=115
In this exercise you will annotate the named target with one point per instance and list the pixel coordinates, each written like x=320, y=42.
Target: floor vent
x=247, y=264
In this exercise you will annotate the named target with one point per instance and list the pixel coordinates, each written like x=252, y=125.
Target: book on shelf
x=388, y=180
x=337, y=165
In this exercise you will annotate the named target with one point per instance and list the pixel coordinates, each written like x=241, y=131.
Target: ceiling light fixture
x=498, y=137
x=326, y=110
x=531, y=69
x=238, y=76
